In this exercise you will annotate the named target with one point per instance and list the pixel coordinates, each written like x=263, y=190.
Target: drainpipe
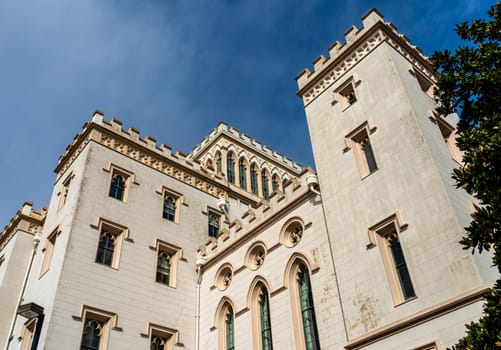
x=36, y=241
x=312, y=182
x=199, y=262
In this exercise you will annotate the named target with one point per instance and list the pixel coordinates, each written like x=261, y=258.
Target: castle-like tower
x=234, y=246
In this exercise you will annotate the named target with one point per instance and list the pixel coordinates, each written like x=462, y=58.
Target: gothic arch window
x=264, y=315
x=106, y=248
x=264, y=184
x=91, y=337
x=242, y=173
x=275, y=183
x=253, y=176
x=163, y=267
x=230, y=167
x=225, y=322
x=261, y=318
x=307, y=310
x=302, y=305
x=169, y=210
x=117, y=187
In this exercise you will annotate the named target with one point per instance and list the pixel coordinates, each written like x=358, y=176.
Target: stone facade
x=234, y=246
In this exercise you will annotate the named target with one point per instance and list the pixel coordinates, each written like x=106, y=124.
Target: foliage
x=470, y=83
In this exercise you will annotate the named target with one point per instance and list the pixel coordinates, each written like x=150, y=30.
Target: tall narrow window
x=163, y=267
x=386, y=235
x=307, y=310
x=29, y=329
x=254, y=184
x=449, y=135
x=117, y=186
x=264, y=313
x=242, y=172
x=264, y=184
x=368, y=154
x=219, y=163
x=91, y=336
x=213, y=224
x=400, y=266
x=360, y=143
x=230, y=329
x=49, y=251
x=106, y=248
x=169, y=211
x=63, y=195
x=230, y=167
x=275, y=183
x=158, y=343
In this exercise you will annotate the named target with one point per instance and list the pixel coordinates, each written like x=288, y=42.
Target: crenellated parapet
x=26, y=219
x=255, y=220
x=142, y=149
x=358, y=44
x=223, y=136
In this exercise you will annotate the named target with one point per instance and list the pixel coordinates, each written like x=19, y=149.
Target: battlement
x=26, y=219
x=251, y=222
x=223, y=129
x=358, y=43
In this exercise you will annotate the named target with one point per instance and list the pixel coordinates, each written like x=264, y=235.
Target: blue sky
x=173, y=69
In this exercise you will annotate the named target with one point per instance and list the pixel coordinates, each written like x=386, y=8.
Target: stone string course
x=253, y=218
x=375, y=31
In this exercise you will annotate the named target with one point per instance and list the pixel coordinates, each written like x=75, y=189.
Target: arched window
x=117, y=187
x=91, y=335
x=219, y=164
x=253, y=175
x=213, y=224
x=169, y=211
x=284, y=183
x=230, y=329
x=275, y=183
x=230, y=166
x=264, y=315
x=264, y=184
x=163, y=268
x=242, y=172
x=307, y=310
x=106, y=248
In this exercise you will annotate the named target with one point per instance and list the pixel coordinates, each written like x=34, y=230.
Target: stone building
x=234, y=246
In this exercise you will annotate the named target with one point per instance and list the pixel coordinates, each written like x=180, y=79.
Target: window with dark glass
x=230, y=167
x=214, y=224
x=368, y=154
x=307, y=310
x=106, y=248
x=91, y=337
x=400, y=266
x=163, y=268
x=264, y=313
x=264, y=184
x=117, y=187
x=230, y=329
x=254, y=183
x=242, y=173
x=169, y=210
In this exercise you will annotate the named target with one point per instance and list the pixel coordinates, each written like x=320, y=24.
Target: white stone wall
x=408, y=181
x=314, y=246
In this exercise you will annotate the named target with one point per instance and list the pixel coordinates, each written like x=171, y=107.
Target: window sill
x=369, y=174
x=405, y=301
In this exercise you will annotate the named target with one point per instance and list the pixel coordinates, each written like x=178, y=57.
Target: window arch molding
x=225, y=305
x=258, y=286
x=296, y=265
